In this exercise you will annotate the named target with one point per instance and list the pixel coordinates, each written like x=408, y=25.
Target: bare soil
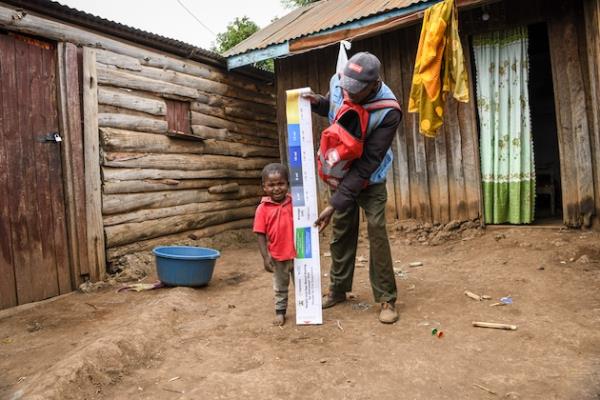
x=217, y=342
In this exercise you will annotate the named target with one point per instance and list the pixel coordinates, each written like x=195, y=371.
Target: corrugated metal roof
x=65, y=13
x=314, y=18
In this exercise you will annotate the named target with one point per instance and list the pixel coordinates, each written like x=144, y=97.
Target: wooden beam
x=132, y=122
x=192, y=208
x=204, y=85
x=181, y=161
x=209, y=132
x=122, y=203
x=93, y=181
x=73, y=160
x=179, y=238
x=591, y=11
x=157, y=185
x=118, y=60
x=128, y=174
x=119, y=78
x=131, y=101
x=124, y=140
x=119, y=235
x=249, y=117
x=260, y=130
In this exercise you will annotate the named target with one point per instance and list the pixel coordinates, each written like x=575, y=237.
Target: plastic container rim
x=157, y=251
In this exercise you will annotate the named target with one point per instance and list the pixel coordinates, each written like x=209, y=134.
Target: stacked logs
x=158, y=189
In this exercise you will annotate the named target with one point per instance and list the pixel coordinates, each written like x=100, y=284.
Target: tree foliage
x=296, y=3
x=237, y=31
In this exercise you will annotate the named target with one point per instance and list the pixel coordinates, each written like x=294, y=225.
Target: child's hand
x=268, y=262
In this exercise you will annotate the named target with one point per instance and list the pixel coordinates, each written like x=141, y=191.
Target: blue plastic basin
x=185, y=265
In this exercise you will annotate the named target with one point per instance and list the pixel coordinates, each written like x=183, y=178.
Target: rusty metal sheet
x=317, y=17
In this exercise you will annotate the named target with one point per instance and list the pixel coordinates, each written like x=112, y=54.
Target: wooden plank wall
x=73, y=162
x=158, y=189
x=592, y=34
x=434, y=180
x=569, y=72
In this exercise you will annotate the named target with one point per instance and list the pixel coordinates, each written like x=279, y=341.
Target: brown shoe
x=332, y=298
x=388, y=314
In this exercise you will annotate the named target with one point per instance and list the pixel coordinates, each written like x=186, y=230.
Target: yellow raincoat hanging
x=439, y=67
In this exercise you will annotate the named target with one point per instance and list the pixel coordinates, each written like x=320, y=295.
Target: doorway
x=34, y=262
x=548, y=202
x=520, y=161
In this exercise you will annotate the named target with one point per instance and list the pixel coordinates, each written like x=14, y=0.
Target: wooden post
x=73, y=159
x=591, y=10
x=574, y=129
x=95, y=229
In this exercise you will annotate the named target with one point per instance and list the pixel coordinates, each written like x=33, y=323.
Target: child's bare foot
x=279, y=320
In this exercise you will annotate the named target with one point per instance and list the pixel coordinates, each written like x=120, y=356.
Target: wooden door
x=34, y=264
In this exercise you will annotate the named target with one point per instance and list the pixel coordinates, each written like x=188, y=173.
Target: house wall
x=137, y=184
x=438, y=180
x=434, y=180
x=160, y=190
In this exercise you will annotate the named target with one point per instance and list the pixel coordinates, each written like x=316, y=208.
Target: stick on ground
x=484, y=388
x=472, y=295
x=494, y=325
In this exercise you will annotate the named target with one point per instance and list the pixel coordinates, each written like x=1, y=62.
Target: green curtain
x=507, y=164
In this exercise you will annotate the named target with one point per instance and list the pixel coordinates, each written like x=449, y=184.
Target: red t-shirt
x=276, y=220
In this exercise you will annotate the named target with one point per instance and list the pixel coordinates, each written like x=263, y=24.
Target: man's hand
x=324, y=218
x=312, y=97
x=268, y=262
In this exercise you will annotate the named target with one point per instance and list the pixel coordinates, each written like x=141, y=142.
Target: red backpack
x=342, y=142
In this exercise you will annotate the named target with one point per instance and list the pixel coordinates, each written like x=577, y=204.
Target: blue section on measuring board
x=295, y=157
x=296, y=177
x=307, y=243
x=294, y=135
x=297, y=196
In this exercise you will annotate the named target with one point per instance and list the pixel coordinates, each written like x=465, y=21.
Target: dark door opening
x=548, y=202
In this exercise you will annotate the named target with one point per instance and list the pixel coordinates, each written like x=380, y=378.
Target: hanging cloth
x=342, y=56
x=439, y=67
x=506, y=146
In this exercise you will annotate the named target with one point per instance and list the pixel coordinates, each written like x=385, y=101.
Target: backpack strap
x=381, y=104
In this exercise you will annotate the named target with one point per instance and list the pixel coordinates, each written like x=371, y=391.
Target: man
x=362, y=186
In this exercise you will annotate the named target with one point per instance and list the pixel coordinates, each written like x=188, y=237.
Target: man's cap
x=360, y=70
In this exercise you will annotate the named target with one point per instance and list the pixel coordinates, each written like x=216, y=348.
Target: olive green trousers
x=345, y=239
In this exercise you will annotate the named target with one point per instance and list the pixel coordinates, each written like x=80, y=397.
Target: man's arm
x=376, y=145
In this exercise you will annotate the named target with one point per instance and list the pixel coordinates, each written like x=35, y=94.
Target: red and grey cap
x=360, y=70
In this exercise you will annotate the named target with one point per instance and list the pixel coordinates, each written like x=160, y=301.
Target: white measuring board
x=303, y=184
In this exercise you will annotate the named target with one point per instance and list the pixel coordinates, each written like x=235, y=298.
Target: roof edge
x=276, y=49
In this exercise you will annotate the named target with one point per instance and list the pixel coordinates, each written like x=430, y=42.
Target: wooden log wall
x=434, y=180
x=158, y=189
x=128, y=156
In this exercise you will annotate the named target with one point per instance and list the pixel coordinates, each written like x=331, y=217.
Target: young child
x=273, y=225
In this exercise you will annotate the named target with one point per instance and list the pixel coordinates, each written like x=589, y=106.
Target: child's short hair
x=275, y=168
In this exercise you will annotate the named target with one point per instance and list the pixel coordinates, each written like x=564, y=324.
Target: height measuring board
x=303, y=183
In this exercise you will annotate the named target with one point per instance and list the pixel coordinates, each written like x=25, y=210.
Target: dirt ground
x=217, y=342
